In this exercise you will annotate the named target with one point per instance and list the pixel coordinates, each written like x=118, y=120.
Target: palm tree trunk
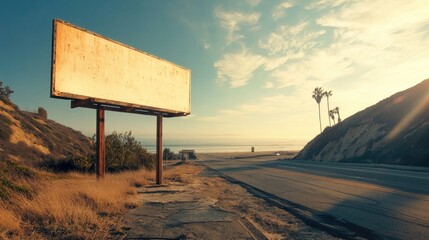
x=320, y=119
x=329, y=118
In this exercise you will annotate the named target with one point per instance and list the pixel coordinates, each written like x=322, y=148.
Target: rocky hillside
x=31, y=138
x=393, y=131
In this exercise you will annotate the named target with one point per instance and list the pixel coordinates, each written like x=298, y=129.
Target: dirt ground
x=205, y=185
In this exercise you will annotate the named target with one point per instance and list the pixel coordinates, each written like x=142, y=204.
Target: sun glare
x=409, y=117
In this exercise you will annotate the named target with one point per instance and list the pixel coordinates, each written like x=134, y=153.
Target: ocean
x=177, y=146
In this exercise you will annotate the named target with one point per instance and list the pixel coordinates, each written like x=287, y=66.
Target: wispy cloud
x=279, y=10
x=316, y=69
x=272, y=63
x=355, y=48
x=266, y=105
x=253, y=3
x=238, y=68
x=324, y=4
x=378, y=15
x=269, y=84
x=291, y=39
x=232, y=22
x=288, y=49
x=380, y=36
x=376, y=49
x=367, y=40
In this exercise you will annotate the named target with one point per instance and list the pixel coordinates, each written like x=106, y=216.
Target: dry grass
x=9, y=221
x=72, y=206
x=33, y=139
x=183, y=172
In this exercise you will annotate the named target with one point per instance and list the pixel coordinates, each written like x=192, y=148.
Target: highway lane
x=392, y=203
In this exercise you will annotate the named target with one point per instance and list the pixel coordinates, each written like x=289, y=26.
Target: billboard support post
x=96, y=72
x=159, y=155
x=101, y=154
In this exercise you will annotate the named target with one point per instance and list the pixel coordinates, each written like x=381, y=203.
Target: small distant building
x=187, y=154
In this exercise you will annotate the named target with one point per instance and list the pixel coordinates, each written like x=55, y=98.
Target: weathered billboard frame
x=85, y=100
x=101, y=105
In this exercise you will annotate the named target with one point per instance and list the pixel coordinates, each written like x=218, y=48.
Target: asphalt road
x=374, y=202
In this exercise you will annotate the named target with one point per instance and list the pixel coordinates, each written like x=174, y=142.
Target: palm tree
x=327, y=94
x=337, y=111
x=332, y=115
x=318, y=95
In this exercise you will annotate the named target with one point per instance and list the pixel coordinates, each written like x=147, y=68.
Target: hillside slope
x=393, y=131
x=32, y=139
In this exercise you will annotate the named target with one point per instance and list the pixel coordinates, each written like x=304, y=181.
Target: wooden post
x=101, y=160
x=159, y=155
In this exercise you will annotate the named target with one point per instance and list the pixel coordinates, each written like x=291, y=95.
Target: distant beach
x=232, y=147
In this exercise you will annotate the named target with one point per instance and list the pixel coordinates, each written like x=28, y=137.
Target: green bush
x=168, y=154
x=124, y=152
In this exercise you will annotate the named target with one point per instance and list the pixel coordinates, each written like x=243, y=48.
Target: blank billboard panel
x=86, y=65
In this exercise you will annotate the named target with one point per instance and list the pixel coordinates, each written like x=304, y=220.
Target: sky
x=254, y=63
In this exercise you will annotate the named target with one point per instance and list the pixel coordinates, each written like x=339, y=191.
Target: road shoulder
x=202, y=205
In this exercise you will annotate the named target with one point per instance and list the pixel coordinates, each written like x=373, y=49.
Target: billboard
x=87, y=66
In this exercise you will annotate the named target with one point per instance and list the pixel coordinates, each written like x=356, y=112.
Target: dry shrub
x=42, y=113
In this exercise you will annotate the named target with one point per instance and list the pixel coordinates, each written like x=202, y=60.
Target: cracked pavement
x=176, y=211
